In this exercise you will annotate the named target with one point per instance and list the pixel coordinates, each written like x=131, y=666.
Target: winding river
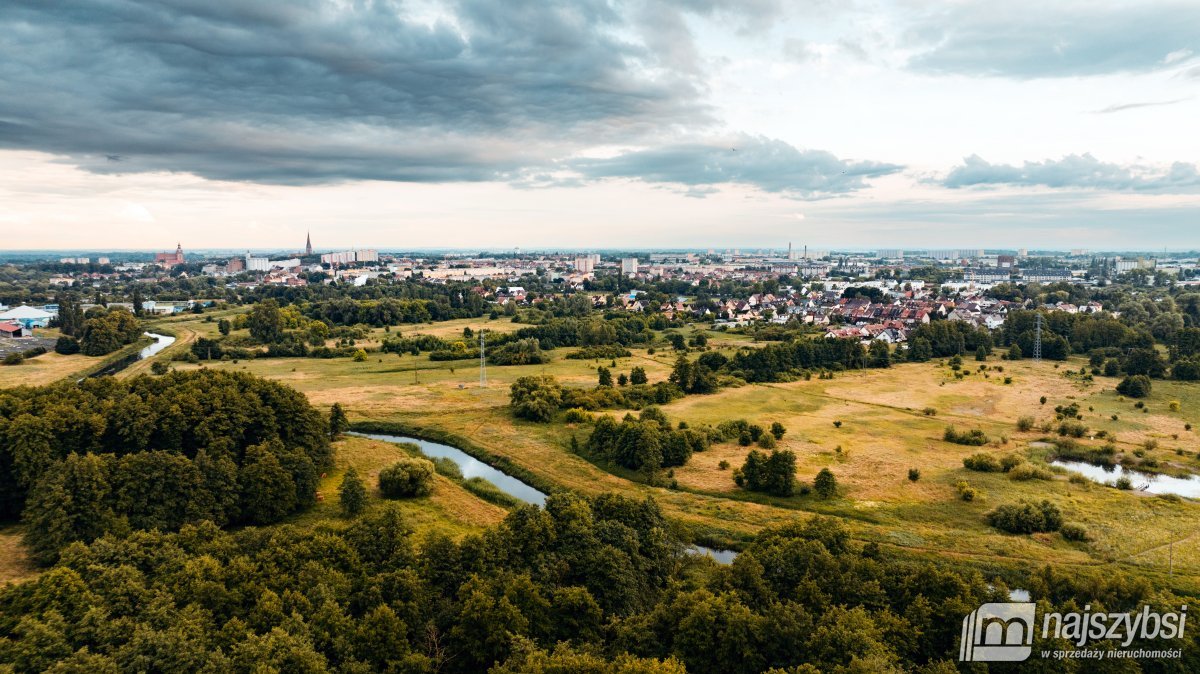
x=160, y=342
x=472, y=467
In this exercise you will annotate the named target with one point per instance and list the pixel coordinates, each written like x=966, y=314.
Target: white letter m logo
x=999, y=632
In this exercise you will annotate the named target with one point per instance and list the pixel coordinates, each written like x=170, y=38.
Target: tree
x=1134, y=386
x=66, y=345
x=137, y=300
x=638, y=376
x=224, y=326
x=535, y=398
x=407, y=477
x=352, y=493
x=878, y=354
x=265, y=322
x=338, y=423
x=70, y=503
x=825, y=484
x=622, y=379
x=604, y=375
x=778, y=430
x=268, y=492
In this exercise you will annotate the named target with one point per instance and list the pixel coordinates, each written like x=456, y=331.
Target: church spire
x=308, y=244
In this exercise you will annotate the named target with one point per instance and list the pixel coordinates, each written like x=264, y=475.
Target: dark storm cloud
x=1075, y=172
x=771, y=165
x=313, y=91
x=1055, y=39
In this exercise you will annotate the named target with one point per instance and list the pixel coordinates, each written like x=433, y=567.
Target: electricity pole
x=482, y=361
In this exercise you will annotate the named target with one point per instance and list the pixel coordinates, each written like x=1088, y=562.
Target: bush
x=446, y=467
x=982, y=463
x=929, y=412
x=1026, y=518
x=1073, y=532
x=1028, y=471
x=1123, y=483
x=14, y=359
x=159, y=367
x=407, y=477
x=965, y=491
x=1073, y=429
x=914, y=474
x=1025, y=424
x=577, y=415
x=1010, y=461
x=766, y=441
x=1134, y=386
x=973, y=437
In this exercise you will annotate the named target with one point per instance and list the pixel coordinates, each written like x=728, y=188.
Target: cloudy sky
x=542, y=123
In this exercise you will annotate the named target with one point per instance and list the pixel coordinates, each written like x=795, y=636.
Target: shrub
x=973, y=437
x=1073, y=532
x=723, y=465
x=159, y=367
x=1010, y=461
x=1025, y=424
x=766, y=441
x=929, y=412
x=577, y=415
x=837, y=424
x=407, y=477
x=360, y=356
x=914, y=474
x=965, y=491
x=1123, y=483
x=1073, y=429
x=14, y=359
x=1173, y=406
x=1026, y=518
x=1134, y=386
x=982, y=463
x=1028, y=471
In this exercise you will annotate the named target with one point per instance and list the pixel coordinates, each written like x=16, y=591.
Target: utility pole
x=482, y=361
x=1037, y=340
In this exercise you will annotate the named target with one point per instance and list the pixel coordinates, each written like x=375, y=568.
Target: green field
x=884, y=432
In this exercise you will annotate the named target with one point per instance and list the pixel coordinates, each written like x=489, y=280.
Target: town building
x=170, y=259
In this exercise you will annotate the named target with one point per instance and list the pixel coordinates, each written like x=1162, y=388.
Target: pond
x=1151, y=483
x=469, y=465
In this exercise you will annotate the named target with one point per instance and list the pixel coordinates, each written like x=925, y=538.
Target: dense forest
x=78, y=461
x=583, y=585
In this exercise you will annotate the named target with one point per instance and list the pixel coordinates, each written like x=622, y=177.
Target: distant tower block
x=308, y=245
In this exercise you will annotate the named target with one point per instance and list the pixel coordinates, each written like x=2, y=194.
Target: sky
x=600, y=124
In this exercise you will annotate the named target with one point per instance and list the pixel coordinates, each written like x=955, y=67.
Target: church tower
x=308, y=245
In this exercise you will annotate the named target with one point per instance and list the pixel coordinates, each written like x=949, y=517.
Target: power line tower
x=482, y=362
x=1037, y=340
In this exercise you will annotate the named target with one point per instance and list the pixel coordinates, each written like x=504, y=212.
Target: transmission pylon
x=482, y=362
x=1037, y=340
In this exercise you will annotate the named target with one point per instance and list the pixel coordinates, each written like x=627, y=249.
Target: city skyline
x=600, y=124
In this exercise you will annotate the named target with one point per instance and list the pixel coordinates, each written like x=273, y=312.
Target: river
x=160, y=342
x=472, y=467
